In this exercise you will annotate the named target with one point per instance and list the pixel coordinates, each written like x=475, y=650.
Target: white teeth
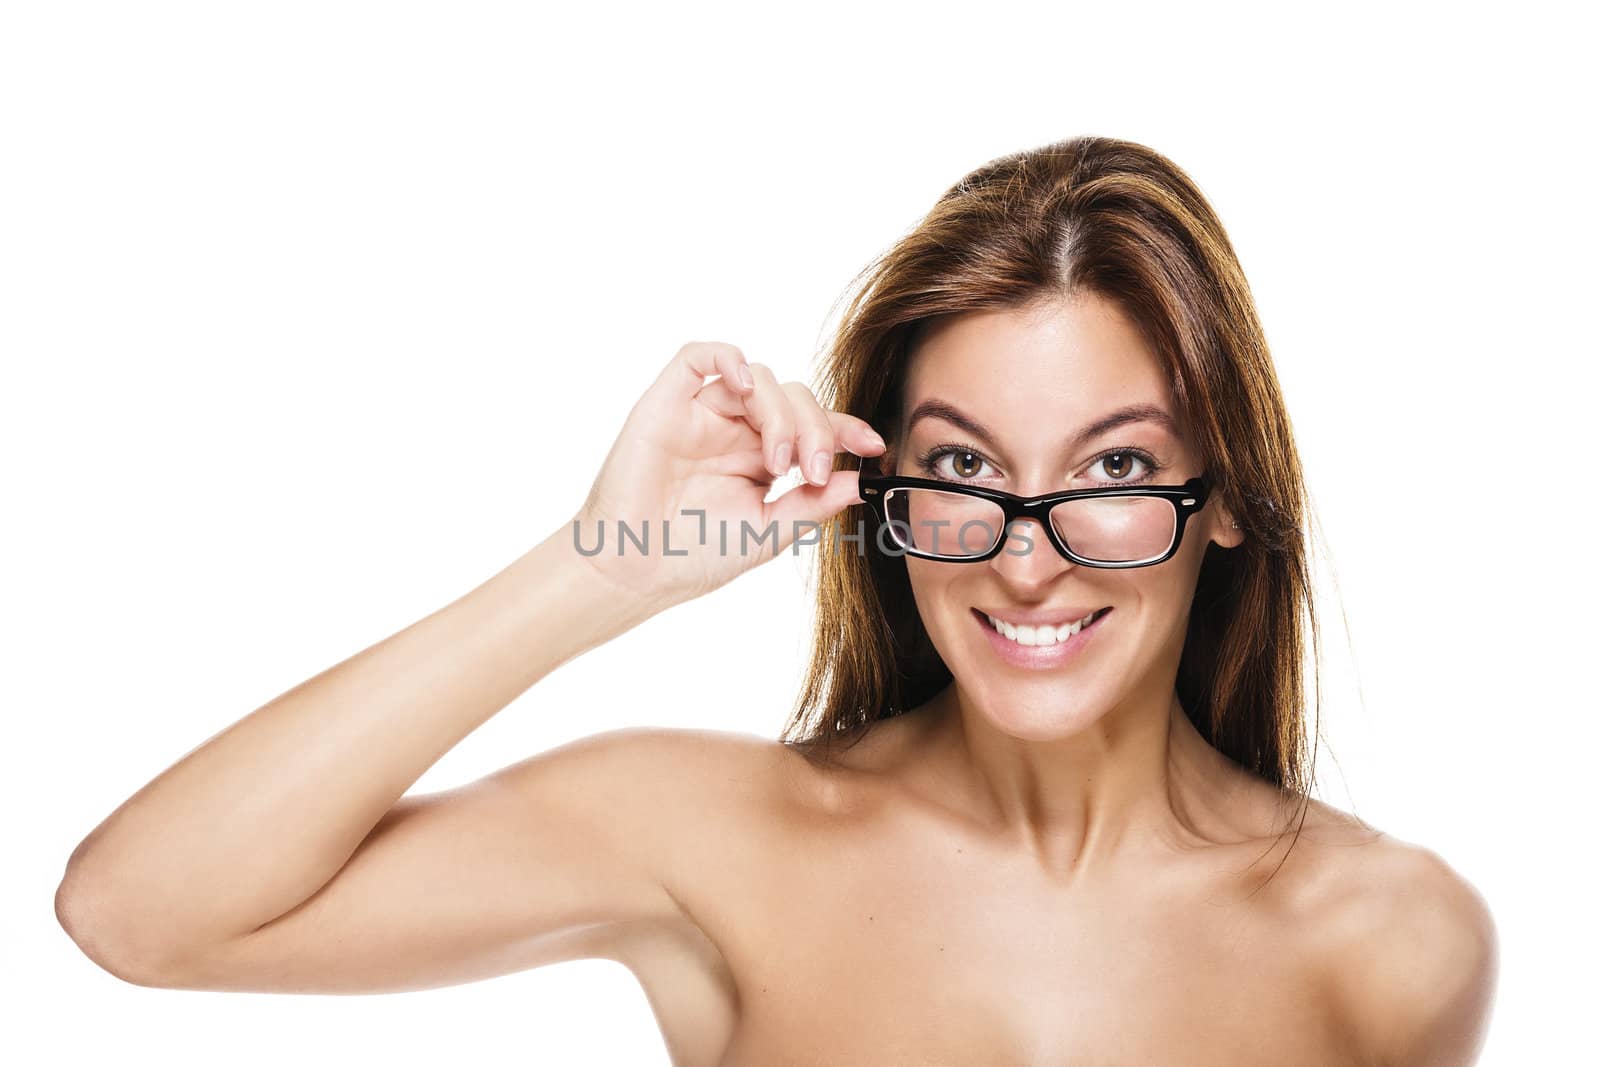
x=1037, y=635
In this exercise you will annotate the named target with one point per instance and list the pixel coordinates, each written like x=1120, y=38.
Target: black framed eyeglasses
x=1110, y=526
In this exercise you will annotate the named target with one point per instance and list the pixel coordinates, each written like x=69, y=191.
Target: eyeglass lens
x=1116, y=529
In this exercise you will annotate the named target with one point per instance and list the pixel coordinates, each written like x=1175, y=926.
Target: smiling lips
x=1039, y=633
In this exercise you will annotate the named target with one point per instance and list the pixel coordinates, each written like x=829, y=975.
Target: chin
x=1034, y=693
x=1036, y=711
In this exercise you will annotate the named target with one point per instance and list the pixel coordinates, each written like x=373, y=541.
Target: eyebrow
x=938, y=409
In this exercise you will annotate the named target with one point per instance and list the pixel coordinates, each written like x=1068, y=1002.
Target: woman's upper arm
x=557, y=857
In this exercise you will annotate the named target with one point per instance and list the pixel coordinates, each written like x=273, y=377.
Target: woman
x=1044, y=796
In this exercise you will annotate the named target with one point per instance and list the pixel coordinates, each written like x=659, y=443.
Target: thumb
x=816, y=504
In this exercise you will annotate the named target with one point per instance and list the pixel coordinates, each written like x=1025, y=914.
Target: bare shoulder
x=1411, y=945
x=1403, y=943
x=697, y=789
x=697, y=808
x=714, y=759
x=679, y=769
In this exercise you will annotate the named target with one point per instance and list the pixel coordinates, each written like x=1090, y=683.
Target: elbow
x=90, y=918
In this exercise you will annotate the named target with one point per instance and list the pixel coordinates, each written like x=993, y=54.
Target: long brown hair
x=1118, y=219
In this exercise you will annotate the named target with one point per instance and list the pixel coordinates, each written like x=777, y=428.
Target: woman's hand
x=689, y=447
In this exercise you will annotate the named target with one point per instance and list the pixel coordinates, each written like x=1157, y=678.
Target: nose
x=1028, y=561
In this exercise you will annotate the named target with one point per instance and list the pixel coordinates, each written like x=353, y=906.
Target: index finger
x=696, y=361
x=854, y=435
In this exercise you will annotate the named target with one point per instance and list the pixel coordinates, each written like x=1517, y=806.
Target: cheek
x=927, y=584
x=1168, y=590
x=931, y=589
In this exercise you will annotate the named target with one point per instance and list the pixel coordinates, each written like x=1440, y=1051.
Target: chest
x=937, y=954
x=920, y=981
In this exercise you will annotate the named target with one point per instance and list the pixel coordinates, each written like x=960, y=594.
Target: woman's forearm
x=259, y=817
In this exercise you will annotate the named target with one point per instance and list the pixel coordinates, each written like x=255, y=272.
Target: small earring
x=1236, y=526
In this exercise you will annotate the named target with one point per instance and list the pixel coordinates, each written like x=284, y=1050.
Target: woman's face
x=1028, y=383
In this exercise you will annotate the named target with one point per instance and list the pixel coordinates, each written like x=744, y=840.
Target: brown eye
x=952, y=463
x=1116, y=463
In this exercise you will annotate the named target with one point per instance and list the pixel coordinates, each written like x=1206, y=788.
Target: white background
x=316, y=315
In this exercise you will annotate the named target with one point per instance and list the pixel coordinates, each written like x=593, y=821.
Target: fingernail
x=744, y=377
x=875, y=439
x=820, y=467
x=782, y=457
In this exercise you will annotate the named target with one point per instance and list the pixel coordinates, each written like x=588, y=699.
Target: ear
x=1224, y=529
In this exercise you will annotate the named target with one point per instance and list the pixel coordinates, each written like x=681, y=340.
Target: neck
x=1139, y=776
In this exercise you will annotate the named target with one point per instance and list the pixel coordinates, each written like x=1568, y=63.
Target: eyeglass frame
x=1186, y=500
